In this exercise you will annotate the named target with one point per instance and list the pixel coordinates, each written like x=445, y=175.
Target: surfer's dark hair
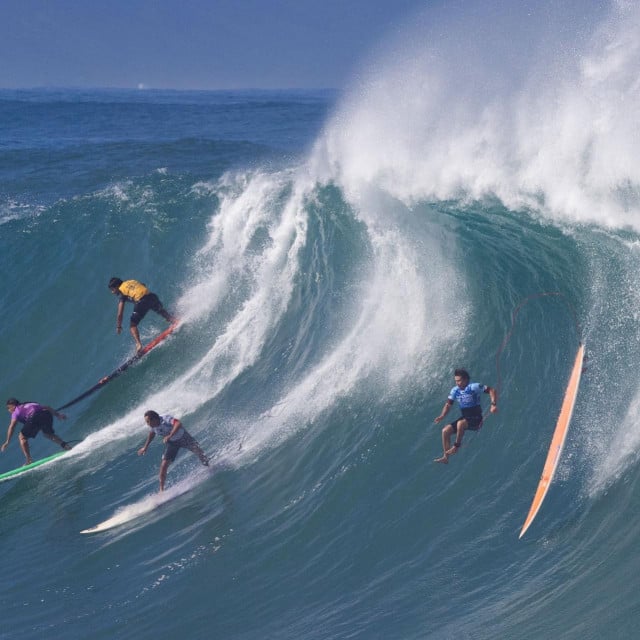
x=152, y=414
x=114, y=283
x=462, y=373
x=13, y=401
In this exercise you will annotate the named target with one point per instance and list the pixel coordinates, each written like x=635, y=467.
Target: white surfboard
x=131, y=512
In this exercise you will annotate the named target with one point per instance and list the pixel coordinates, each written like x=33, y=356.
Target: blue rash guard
x=469, y=401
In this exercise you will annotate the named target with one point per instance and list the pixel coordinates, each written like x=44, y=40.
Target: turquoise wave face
x=322, y=317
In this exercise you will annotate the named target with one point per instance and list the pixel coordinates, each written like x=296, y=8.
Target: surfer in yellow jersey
x=35, y=417
x=174, y=436
x=467, y=394
x=143, y=300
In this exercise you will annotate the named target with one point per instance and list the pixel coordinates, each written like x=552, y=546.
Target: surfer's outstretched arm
x=150, y=436
x=10, y=430
x=445, y=410
x=119, y=315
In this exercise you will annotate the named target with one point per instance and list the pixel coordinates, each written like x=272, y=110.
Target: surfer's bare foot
x=29, y=461
x=443, y=460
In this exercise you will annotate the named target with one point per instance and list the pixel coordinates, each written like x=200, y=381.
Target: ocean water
x=333, y=257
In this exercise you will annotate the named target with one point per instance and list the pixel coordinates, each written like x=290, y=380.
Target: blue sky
x=192, y=44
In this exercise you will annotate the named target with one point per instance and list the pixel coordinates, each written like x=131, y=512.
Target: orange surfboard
x=557, y=442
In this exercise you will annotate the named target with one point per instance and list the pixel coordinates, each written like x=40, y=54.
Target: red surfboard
x=125, y=365
x=157, y=340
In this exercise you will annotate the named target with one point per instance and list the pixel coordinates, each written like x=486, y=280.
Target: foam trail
x=268, y=274
x=402, y=318
x=149, y=503
x=249, y=205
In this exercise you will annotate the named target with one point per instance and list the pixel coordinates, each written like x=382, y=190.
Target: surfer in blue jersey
x=35, y=417
x=467, y=394
x=174, y=436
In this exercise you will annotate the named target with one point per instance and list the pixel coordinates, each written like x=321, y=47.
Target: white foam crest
x=611, y=441
x=120, y=192
x=14, y=210
x=455, y=117
x=248, y=203
x=272, y=275
x=399, y=322
x=612, y=462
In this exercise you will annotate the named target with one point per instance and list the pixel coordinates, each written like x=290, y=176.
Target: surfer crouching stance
x=35, y=417
x=467, y=395
x=174, y=436
x=143, y=300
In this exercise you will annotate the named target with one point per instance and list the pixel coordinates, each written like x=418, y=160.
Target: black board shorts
x=172, y=447
x=40, y=421
x=473, y=416
x=146, y=303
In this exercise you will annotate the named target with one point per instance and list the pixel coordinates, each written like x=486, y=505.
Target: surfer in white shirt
x=174, y=436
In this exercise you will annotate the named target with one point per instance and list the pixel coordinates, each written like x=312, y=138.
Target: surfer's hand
x=493, y=408
x=4, y=446
x=438, y=419
x=118, y=329
x=142, y=451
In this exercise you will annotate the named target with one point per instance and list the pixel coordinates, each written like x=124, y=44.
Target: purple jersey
x=26, y=411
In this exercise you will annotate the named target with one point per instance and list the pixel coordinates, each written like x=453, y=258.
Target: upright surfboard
x=124, y=366
x=14, y=473
x=558, y=440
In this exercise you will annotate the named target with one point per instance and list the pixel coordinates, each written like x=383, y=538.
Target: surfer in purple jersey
x=467, y=394
x=35, y=417
x=174, y=436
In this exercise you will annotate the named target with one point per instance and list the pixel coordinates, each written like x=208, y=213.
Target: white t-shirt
x=165, y=426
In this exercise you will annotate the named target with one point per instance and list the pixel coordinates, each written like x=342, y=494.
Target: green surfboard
x=14, y=473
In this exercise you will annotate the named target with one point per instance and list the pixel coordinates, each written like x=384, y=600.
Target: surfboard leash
x=514, y=317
